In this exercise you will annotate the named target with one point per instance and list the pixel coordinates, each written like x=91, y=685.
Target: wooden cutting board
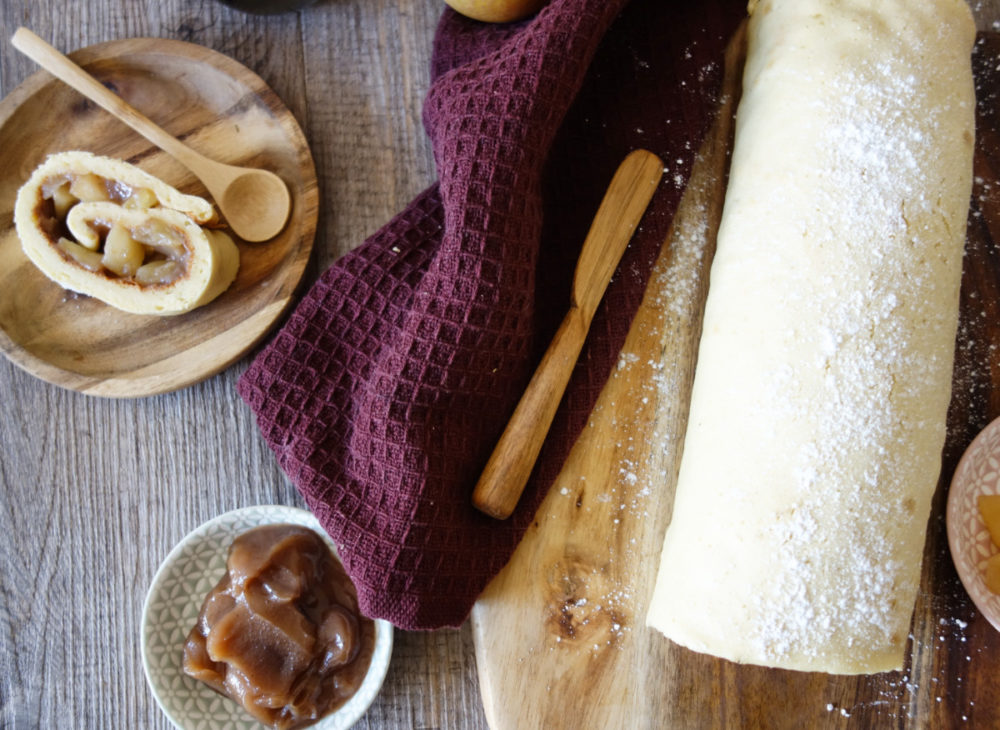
x=560, y=635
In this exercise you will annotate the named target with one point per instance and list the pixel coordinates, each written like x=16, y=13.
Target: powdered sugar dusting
x=848, y=474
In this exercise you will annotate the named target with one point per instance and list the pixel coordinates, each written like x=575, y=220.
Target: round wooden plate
x=218, y=107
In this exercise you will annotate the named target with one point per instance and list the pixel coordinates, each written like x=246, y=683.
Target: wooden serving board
x=560, y=635
x=221, y=109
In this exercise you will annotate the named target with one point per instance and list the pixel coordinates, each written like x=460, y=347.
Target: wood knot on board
x=583, y=606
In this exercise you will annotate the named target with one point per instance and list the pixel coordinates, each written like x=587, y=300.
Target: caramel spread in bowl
x=281, y=633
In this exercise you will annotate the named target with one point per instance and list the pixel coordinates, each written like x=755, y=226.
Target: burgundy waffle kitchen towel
x=384, y=393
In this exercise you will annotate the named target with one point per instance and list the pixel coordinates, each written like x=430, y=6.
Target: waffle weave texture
x=386, y=390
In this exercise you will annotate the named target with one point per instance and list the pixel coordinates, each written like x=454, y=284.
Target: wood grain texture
x=94, y=492
x=560, y=634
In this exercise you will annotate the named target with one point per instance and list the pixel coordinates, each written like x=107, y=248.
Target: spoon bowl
x=255, y=203
x=252, y=200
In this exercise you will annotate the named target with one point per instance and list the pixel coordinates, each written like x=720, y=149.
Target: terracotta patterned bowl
x=978, y=473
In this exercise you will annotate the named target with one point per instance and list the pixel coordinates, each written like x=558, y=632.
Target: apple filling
x=107, y=229
x=151, y=253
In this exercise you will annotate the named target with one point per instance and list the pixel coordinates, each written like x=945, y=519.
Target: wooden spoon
x=255, y=203
x=507, y=471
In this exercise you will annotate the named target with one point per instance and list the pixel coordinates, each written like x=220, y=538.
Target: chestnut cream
x=281, y=633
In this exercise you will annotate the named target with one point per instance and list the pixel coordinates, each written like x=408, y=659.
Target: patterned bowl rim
x=344, y=717
x=968, y=539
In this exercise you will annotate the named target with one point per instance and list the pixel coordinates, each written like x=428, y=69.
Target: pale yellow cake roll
x=818, y=410
x=103, y=227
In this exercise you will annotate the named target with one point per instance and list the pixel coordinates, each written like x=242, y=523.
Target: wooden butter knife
x=507, y=471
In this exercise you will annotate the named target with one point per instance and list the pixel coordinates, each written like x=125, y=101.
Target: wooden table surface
x=95, y=492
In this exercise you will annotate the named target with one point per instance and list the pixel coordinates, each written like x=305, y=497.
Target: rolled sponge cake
x=171, y=225
x=817, y=416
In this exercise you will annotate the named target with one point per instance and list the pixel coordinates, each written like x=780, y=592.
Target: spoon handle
x=513, y=459
x=65, y=70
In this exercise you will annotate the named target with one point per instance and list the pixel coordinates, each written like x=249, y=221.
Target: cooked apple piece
x=989, y=509
x=89, y=188
x=162, y=271
x=63, y=199
x=160, y=237
x=141, y=198
x=90, y=260
x=122, y=253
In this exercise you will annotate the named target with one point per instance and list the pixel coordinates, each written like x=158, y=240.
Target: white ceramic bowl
x=978, y=472
x=189, y=572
